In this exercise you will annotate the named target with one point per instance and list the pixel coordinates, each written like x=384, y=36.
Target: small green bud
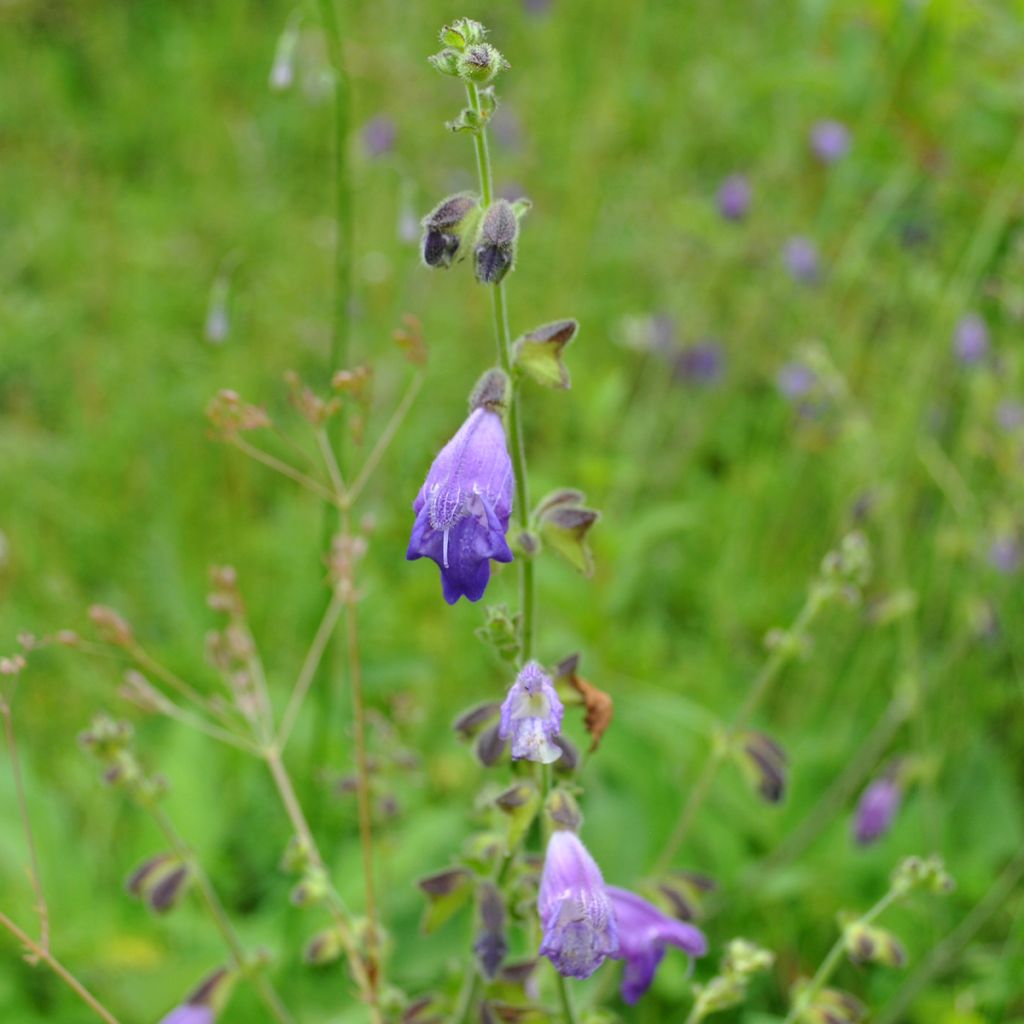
x=501, y=631
x=926, y=873
x=564, y=523
x=867, y=944
x=463, y=32
x=325, y=947
x=446, y=61
x=538, y=354
x=297, y=856
x=563, y=810
x=313, y=889
x=744, y=958
x=480, y=63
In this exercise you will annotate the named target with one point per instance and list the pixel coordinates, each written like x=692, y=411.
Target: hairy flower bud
x=446, y=227
x=480, y=62
x=495, y=251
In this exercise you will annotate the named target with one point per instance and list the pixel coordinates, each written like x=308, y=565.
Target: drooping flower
x=830, y=141
x=801, y=258
x=644, y=933
x=575, y=910
x=970, y=340
x=734, y=197
x=532, y=716
x=463, y=508
x=876, y=810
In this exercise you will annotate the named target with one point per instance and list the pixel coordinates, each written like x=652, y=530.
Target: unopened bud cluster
x=728, y=988
x=466, y=54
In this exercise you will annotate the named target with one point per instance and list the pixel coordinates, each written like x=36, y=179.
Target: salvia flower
x=644, y=933
x=734, y=197
x=800, y=256
x=463, y=508
x=531, y=716
x=700, y=363
x=876, y=810
x=830, y=141
x=575, y=910
x=970, y=340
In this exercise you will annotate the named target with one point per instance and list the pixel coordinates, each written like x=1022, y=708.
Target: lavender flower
x=734, y=197
x=970, y=340
x=700, y=363
x=575, y=911
x=463, y=507
x=1004, y=553
x=876, y=810
x=795, y=381
x=189, y=1013
x=830, y=141
x=532, y=716
x=379, y=135
x=644, y=932
x=800, y=255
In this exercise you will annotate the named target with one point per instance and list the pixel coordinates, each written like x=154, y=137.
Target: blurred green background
x=142, y=153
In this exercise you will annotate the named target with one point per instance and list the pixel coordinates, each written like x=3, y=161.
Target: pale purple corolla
x=463, y=508
x=575, y=910
x=970, y=339
x=800, y=256
x=830, y=140
x=734, y=197
x=531, y=716
x=190, y=1013
x=876, y=810
x=644, y=934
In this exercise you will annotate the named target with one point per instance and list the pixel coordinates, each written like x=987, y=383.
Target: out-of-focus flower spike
x=282, y=71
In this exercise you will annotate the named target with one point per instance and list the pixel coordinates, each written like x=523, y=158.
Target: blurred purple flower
x=463, y=507
x=379, y=135
x=644, y=932
x=800, y=255
x=795, y=381
x=970, y=339
x=575, y=911
x=830, y=141
x=531, y=716
x=734, y=197
x=190, y=1013
x=875, y=811
x=1004, y=553
x=537, y=6
x=1010, y=415
x=700, y=363
x=507, y=128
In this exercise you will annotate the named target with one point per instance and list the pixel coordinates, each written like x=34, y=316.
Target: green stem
x=831, y=961
x=563, y=997
x=503, y=337
x=40, y=953
x=766, y=678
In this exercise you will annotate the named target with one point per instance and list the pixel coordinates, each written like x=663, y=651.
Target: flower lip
x=644, y=932
x=531, y=716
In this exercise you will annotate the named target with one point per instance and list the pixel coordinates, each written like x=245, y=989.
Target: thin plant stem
x=264, y=989
x=355, y=679
x=171, y=710
x=770, y=671
x=41, y=954
x=333, y=469
x=946, y=951
x=832, y=959
x=386, y=437
x=309, y=668
x=503, y=337
x=41, y=909
x=339, y=914
x=568, y=1014
x=274, y=463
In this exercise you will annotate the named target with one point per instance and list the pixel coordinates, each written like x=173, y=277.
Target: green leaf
x=539, y=353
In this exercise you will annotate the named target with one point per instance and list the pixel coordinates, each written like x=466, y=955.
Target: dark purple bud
x=644, y=933
x=444, y=883
x=169, y=890
x=490, y=947
x=570, y=759
x=471, y=721
x=143, y=877
x=701, y=363
x=830, y=141
x=970, y=340
x=800, y=256
x=496, y=245
x=766, y=761
x=379, y=135
x=876, y=810
x=490, y=746
x=531, y=716
x=734, y=197
x=463, y=508
x=575, y=910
